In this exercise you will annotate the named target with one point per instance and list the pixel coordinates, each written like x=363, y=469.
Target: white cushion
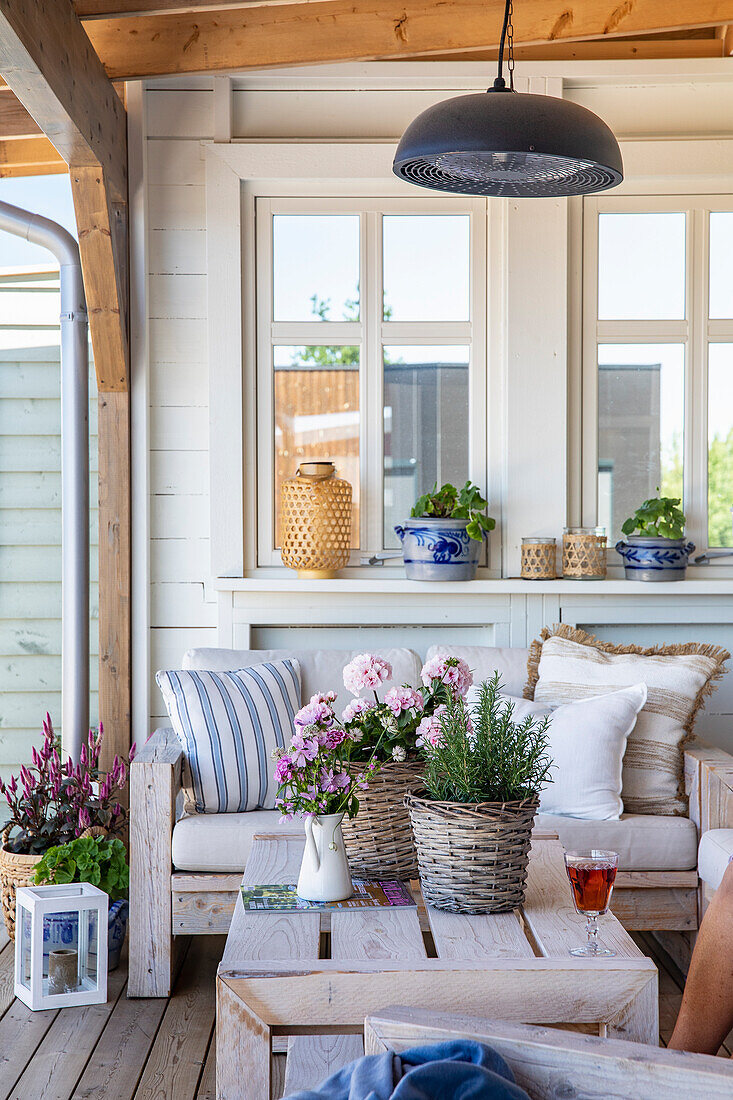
x=644, y=842
x=484, y=660
x=320, y=669
x=222, y=842
x=229, y=724
x=715, y=853
x=586, y=742
x=211, y=842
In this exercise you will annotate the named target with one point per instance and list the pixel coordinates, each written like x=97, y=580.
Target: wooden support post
x=114, y=572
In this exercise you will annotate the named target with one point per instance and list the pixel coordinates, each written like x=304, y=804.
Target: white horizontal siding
x=30, y=536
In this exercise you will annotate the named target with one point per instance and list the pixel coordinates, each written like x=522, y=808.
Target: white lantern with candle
x=69, y=975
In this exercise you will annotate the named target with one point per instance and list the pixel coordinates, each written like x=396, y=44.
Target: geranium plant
x=480, y=754
x=315, y=774
x=448, y=502
x=390, y=728
x=659, y=517
x=52, y=802
x=99, y=860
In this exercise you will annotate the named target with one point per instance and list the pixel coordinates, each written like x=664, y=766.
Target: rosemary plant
x=479, y=754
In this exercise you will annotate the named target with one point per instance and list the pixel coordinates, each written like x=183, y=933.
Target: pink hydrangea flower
x=404, y=698
x=355, y=708
x=365, y=673
x=452, y=671
x=430, y=731
x=315, y=713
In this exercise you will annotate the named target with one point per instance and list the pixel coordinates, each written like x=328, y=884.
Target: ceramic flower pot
x=324, y=872
x=438, y=550
x=654, y=559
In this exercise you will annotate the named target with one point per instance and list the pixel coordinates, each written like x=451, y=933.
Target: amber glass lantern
x=315, y=521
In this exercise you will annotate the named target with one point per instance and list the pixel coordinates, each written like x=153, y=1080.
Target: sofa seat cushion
x=716, y=851
x=644, y=842
x=222, y=842
x=320, y=669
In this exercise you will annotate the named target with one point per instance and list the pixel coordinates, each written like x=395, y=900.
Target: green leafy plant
x=99, y=860
x=480, y=754
x=448, y=502
x=659, y=517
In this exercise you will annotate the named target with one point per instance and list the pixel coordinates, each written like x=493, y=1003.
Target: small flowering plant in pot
x=473, y=821
x=52, y=802
x=318, y=781
x=379, y=840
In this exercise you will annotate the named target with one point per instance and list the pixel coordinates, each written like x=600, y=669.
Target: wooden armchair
x=549, y=1063
x=165, y=903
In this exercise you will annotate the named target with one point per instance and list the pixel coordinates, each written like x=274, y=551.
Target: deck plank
x=21, y=1032
x=207, y=1084
x=176, y=1061
x=60, y=1059
x=7, y=977
x=119, y=1058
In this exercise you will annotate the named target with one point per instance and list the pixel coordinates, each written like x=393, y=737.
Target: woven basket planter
x=379, y=840
x=472, y=856
x=15, y=870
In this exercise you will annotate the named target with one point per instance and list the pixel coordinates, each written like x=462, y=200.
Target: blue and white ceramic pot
x=438, y=550
x=655, y=559
x=62, y=930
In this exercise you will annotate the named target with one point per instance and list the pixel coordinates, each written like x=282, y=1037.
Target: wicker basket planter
x=15, y=870
x=379, y=840
x=472, y=856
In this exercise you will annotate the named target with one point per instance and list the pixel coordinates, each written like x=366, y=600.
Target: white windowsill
x=394, y=581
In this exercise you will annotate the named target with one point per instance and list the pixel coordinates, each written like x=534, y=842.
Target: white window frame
x=695, y=332
x=371, y=333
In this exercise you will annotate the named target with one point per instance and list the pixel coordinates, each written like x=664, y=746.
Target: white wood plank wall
x=288, y=106
x=30, y=519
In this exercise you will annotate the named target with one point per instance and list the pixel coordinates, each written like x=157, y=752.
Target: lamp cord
x=506, y=42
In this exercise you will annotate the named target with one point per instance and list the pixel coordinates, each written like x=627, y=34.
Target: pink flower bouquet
x=314, y=773
x=393, y=728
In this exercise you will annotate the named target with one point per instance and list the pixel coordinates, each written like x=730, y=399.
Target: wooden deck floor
x=155, y=1049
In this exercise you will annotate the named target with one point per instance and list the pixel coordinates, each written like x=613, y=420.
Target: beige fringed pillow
x=567, y=664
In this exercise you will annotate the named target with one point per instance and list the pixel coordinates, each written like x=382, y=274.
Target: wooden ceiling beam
x=618, y=49
x=341, y=30
x=49, y=63
x=15, y=122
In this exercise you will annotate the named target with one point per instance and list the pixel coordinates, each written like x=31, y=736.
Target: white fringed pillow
x=566, y=665
x=587, y=741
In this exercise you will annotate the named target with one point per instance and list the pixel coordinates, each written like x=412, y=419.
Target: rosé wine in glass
x=592, y=873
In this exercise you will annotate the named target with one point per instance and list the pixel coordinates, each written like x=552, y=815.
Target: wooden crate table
x=310, y=974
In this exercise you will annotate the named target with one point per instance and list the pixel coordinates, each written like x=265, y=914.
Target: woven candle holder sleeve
x=539, y=559
x=584, y=553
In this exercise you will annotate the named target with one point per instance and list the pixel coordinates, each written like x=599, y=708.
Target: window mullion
x=696, y=388
x=372, y=316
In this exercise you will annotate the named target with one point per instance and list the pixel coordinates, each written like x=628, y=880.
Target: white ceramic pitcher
x=324, y=872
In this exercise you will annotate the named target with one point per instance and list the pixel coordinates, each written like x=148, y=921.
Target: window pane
x=317, y=416
x=641, y=402
x=315, y=267
x=721, y=265
x=425, y=426
x=720, y=444
x=426, y=267
x=641, y=267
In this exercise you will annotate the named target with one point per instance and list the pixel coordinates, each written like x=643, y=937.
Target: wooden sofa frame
x=165, y=904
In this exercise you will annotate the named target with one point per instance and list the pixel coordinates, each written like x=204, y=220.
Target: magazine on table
x=368, y=894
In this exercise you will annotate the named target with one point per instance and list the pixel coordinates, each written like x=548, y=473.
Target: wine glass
x=592, y=873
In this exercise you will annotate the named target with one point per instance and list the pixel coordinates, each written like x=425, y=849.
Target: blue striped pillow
x=228, y=724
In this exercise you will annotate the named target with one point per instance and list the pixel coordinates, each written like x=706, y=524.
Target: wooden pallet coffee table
x=310, y=974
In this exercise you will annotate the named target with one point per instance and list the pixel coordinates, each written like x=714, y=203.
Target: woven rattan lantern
x=316, y=520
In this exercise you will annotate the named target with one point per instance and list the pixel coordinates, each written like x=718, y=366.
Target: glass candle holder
x=539, y=559
x=584, y=553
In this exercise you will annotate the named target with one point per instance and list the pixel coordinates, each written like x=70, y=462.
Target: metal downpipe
x=74, y=468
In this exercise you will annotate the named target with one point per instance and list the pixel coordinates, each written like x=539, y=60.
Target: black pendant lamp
x=508, y=143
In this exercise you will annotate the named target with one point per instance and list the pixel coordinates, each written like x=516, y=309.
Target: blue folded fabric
x=455, y=1070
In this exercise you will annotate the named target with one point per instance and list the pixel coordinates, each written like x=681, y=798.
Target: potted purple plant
x=52, y=802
